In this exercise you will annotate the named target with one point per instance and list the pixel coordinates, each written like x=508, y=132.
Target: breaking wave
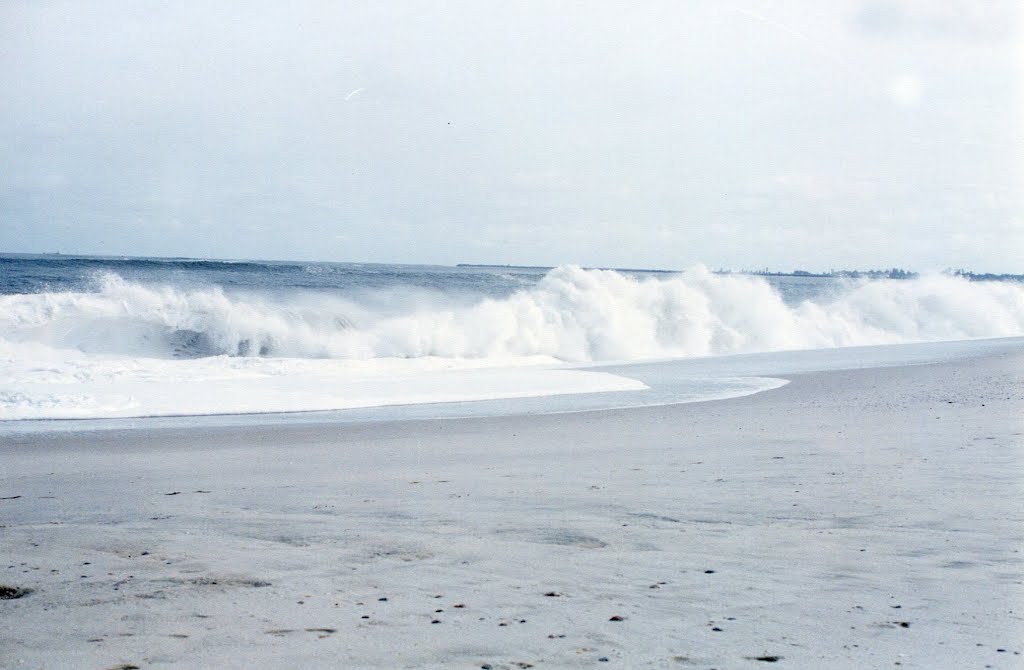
x=571, y=314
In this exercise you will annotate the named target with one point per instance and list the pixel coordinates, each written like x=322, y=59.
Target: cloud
x=591, y=132
x=961, y=20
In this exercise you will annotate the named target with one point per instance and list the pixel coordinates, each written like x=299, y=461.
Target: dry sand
x=860, y=519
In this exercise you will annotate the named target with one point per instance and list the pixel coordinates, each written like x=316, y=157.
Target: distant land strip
x=892, y=273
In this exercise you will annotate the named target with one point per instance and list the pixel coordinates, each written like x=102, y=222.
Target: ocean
x=107, y=338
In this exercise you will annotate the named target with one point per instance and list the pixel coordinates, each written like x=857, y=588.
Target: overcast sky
x=781, y=133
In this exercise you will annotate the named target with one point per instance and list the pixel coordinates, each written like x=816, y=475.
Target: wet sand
x=851, y=519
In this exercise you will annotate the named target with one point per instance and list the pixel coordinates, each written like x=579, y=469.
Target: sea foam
x=139, y=349
x=571, y=315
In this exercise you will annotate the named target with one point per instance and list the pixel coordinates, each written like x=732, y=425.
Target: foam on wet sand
x=849, y=519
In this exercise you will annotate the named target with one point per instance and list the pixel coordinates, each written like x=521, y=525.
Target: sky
x=783, y=134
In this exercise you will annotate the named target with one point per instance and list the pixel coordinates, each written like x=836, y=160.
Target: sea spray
x=570, y=314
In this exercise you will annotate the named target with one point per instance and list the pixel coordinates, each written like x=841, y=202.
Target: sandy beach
x=851, y=519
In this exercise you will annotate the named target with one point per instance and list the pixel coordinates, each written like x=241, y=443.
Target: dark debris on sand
x=13, y=592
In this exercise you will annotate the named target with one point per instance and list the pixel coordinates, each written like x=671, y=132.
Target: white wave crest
x=571, y=314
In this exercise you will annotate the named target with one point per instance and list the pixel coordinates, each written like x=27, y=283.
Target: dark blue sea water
x=51, y=273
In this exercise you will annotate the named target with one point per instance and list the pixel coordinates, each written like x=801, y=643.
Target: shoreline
x=808, y=523
x=667, y=381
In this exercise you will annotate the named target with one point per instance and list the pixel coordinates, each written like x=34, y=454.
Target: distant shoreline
x=894, y=273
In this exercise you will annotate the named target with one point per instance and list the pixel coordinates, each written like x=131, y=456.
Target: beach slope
x=850, y=519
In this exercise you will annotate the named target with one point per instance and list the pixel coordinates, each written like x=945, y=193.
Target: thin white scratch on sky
x=775, y=24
